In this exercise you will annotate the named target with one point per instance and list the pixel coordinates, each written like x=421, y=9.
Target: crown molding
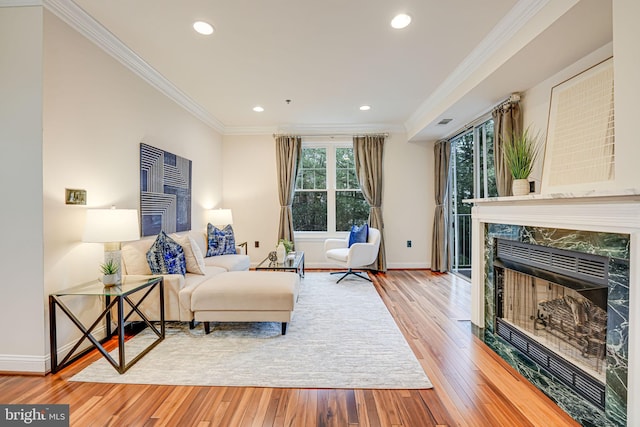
x=81, y=21
x=318, y=129
x=20, y=3
x=342, y=128
x=250, y=130
x=509, y=25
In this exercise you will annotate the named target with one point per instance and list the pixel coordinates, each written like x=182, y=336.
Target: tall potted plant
x=520, y=152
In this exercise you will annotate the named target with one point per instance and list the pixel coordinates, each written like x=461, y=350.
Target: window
x=472, y=175
x=310, y=200
x=328, y=196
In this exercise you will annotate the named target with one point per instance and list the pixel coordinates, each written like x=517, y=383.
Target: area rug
x=341, y=336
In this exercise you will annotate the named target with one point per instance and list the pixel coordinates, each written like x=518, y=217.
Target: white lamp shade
x=220, y=216
x=111, y=225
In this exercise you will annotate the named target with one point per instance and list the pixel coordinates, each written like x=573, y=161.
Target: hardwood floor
x=472, y=385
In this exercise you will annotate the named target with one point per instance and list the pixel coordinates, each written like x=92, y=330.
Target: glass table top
x=96, y=287
x=292, y=261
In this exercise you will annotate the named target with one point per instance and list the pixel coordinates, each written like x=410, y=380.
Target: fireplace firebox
x=551, y=305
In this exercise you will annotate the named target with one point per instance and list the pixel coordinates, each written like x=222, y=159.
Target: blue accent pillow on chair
x=358, y=234
x=166, y=256
x=220, y=242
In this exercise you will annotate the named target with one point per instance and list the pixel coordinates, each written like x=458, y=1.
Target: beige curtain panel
x=288, y=155
x=507, y=121
x=368, y=151
x=439, y=244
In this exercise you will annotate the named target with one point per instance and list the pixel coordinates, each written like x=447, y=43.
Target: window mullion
x=331, y=189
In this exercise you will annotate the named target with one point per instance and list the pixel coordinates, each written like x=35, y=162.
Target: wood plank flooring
x=472, y=385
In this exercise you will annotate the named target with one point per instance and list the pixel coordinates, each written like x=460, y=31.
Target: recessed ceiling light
x=258, y=109
x=203, y=28
x=400, y=21
x=365, y=107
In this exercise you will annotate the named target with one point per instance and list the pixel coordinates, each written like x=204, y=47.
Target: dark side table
x=114, y=297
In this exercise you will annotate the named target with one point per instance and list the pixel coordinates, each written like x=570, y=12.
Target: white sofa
x=178, y=288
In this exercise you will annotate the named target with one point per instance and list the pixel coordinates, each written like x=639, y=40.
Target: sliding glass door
x=472, y=176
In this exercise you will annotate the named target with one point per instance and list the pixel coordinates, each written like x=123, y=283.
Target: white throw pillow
x=134, y=257
x=192, y=253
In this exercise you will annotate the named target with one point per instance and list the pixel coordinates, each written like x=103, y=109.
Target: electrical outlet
x=256, y=244
x=408, y=243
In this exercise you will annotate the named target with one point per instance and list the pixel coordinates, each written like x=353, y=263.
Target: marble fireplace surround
x=617, y=213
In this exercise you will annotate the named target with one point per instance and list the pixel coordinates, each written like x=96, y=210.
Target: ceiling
x=330, y=57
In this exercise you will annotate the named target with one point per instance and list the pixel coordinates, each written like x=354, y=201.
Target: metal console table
x=114, y=297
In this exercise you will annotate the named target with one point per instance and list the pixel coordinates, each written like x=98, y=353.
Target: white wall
x=626, y=62
x=95, y=114
x=535, y=102
x=250, y=189
x=22, y=317
x=408, y=202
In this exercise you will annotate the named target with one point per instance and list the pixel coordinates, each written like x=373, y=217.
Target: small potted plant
x=282, y=249
x=288, y=245
x=520, y=152
x=109, y=272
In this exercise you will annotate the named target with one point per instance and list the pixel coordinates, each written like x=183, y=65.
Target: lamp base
x=113, y=252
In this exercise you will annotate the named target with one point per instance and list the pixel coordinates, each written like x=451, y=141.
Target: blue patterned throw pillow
x=359, y=234
x=166, y=256
x=215, y=241
x=220, y=242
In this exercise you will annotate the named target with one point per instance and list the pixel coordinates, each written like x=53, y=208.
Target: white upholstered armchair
x=357, y=256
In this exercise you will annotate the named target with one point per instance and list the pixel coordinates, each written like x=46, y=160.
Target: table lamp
x=111, y=227
x=220, y=217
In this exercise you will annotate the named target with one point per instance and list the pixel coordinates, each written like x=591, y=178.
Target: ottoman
x=246, y=296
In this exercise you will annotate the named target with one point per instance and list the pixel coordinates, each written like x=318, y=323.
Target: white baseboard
x=394, y=266
x=22, y=363
x=40, y=364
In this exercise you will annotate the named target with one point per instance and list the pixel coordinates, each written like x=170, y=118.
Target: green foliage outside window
x=313, y=169
x=346, y=178
x=351, y=208
x=463, y=154
x=310, y=211
x=475, y=143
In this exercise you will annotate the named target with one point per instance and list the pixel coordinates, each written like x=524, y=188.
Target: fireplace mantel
x=626, y=194
x=613, y=212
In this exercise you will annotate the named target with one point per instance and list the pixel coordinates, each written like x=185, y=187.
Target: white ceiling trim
x=20, y=3
x=316, y=129
x=250, y=130
x=341, y=129
x=508, y=26
x=82, y=22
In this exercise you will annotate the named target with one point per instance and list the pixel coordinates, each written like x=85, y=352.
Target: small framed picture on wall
x=75, y=196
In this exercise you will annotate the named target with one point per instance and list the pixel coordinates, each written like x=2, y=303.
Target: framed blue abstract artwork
x=165, y=191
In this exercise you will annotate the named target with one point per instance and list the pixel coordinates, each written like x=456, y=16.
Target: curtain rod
x=331, y=135
x=514, y=97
